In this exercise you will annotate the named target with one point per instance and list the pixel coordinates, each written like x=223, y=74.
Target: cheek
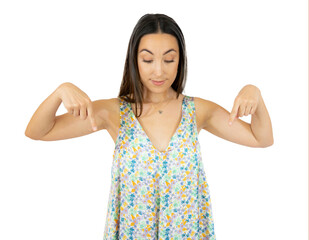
x=143, y=71
x=175, y=69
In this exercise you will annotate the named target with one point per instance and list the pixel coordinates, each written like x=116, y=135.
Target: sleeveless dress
x=154, y=194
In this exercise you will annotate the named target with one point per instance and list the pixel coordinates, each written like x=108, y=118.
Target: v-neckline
x=174, y=134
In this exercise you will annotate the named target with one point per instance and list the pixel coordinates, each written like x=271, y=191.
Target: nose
x=158, y=69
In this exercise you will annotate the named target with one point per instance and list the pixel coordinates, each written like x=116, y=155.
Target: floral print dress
x=154, y=194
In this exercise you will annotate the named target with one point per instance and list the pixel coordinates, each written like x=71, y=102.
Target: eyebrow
x=144, y=49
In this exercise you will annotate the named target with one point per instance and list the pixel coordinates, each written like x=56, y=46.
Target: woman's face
x=157, y=58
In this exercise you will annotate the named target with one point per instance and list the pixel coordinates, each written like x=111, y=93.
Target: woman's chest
x=158, y=127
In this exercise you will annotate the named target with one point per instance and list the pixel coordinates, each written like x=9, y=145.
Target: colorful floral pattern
x=154, y=194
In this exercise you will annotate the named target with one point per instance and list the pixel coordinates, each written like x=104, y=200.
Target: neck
x=152, y=97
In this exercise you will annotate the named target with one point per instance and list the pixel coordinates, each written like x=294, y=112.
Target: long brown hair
x=131, y=83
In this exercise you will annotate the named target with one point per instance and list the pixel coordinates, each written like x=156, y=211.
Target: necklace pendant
x=160, y=111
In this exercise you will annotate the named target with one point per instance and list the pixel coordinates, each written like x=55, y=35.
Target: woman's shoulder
x=109, y=104
x=203, y=109
x=201, y=101
x=108, y=109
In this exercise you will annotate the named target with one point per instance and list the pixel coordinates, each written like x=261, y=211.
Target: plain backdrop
x=60, y=189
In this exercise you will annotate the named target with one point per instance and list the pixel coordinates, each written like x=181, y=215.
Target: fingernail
x=230, y=123
x=94, y=128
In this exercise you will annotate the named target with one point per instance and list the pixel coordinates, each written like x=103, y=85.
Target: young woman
x=159, y=188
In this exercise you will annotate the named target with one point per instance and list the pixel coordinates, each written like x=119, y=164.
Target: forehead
x=158, y=42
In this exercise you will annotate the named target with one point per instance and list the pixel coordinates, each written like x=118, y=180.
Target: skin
x=209, y=115
x=158, y=58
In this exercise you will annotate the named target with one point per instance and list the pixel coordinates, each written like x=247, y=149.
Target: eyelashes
x=150, y=61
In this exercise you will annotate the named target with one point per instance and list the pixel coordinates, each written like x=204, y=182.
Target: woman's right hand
x=77, y=102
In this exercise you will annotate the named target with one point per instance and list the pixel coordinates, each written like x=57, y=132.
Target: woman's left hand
x=246, y=102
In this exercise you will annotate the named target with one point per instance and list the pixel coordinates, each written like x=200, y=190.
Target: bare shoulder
x=203, y=109
x=108, y=110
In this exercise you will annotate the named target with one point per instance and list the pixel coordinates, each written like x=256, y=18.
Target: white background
x=60, y=189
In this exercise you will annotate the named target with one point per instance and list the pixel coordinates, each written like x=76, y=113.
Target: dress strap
x=190, y=112
x=124, y=112
x=125, y=123
x=189, y=107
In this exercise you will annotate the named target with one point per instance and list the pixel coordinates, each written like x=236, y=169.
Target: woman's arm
x=261, y=125
x=215, y=119
x=43, y=119
x=83, y=117
x=250, y=101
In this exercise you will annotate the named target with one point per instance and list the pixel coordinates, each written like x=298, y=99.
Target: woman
x=159, y=188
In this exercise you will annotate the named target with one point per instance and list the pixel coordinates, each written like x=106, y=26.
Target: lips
x=158, y=83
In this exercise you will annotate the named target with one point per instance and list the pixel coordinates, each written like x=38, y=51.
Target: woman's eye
x=149, y=61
